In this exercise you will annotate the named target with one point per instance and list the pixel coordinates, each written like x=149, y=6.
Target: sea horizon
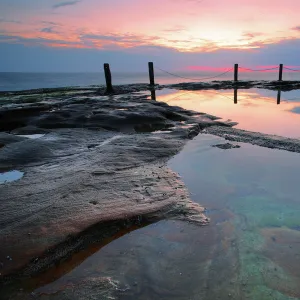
x=18, y=81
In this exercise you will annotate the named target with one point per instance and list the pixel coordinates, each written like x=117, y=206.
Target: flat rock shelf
x=94, y=169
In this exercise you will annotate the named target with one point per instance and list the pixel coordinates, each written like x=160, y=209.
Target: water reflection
x=10, y=176
x=266, y=111
x=235, y=96
x=278, y=97
x=250, y=250
x=153, y=94
x=259, y=188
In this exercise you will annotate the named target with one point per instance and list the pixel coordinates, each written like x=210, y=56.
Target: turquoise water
x=250, y=250
x=257, y=189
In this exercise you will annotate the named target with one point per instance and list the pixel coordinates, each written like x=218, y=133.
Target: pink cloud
x=186, y=26
x=207, y=68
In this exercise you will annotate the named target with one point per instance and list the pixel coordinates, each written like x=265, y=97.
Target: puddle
x=161, y=131
x=10, y=176
x=254, y=109
x=44, y=136
x=31, y=136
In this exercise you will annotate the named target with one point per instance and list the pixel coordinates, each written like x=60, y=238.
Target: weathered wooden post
x=151, y=73
x=278, y=97
x=236, y=72
x=153, y=94
x=109, y=88
x=235, y=96
x=280, y=72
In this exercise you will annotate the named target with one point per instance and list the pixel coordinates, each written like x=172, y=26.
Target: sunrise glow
x=232, y=29
x=182, y=25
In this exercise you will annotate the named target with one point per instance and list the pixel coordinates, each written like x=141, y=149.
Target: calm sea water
x=26, y=81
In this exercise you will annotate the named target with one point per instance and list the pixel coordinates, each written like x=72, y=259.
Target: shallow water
x=10, y=176
x=257, y=189
x=254, y=109
x=250, y=250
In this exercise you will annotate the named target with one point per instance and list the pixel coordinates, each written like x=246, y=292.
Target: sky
x=81, y=35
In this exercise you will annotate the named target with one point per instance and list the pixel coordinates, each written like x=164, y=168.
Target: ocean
x=27, y=81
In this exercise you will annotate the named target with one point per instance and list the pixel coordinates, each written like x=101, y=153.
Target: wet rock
x=6, y=138
x=255, y=138
x=88, y=288
x=226, y=146
x=28, y=130
x=65, y=176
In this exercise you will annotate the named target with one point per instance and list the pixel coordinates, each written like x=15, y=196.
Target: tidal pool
x=250, y=250
x=10, y=176
x=31, y=136
x=258, y=110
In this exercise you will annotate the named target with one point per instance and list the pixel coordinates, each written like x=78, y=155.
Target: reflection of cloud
x=296, y=110
x=248, y=104
x=66, y=3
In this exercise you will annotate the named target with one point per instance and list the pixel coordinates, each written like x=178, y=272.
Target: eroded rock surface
x=88, y=289
x=100, y=160
x=99, y=166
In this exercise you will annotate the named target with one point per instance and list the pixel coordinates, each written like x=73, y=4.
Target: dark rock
x=226, y=146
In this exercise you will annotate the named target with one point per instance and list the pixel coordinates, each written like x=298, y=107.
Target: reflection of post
x=153, y=95
x=278, y=97
x=235, y=96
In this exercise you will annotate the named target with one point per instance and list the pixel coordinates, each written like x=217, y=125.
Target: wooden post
x=236, y=72
x=109, y=88
x=151, y=73
x=235, y=96
x=280, y=72
x=153, y=94
x=278, y=97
